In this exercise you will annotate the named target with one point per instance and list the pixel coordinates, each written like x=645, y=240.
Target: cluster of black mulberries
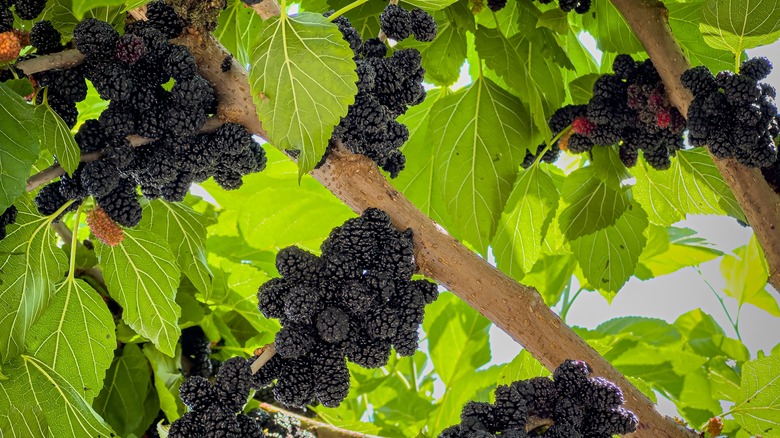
x=279, y=425
x=578, y=6
x=130, y=70
x=629, y=108
x=734, y=114
x=560, y=120
x=354, y=302
x=387, y=86
x=25, y=9
x=7, y=218
x=214, y=406
x=577, y=404
x=196, y=348
x=399, y=24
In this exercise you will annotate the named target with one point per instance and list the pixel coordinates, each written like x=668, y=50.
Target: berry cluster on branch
x=630, y=108
x=279, y=425
x=734, y=114
x=354, y=302
x=7, y=218
x=399, y=24
x=576, y=405
x=215, y=408
x=129, y=71
x=387, y=86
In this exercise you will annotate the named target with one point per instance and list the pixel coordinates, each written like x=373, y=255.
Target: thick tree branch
x=321, y=430
x=519, y=310
x=650, y=21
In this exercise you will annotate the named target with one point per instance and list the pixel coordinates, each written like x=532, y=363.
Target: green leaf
x=581, y=89
x=442, y=58
x=609, y=256
x=669, y=250
x=480, y=136
x=475, y=386
x=523, y=367
x=185, y=231
x=758, y=407
x=23, y=87
x=417, y=179
x=142, y=276
x=591, y=203
x=705, y=337
x=167, y=379
x=550, y=275
x=34, y=398
x=692, y=185
x=75, y=336
x=121, y=400
x=746, y=276
x=30, y=264
x=610, y=29
x=430, y=5
x=57, y=138
x=518, y=241
x=237, y=27
x=19, y=137
x=684, y=18
x=81, y=7
x=457, y=336
x=302, y=78
x=538, y=82
x=737, y=25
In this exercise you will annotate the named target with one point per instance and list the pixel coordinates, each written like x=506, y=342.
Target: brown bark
x=761, y=205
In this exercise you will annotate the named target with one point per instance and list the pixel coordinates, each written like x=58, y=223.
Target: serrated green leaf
x=518, y=241
x=523, y=367
x=121, y=400
x=550, y=275
x=684, y=18
x=737, y=25
x=746, y=276
x=167, y=379
x=480, y=136
x=581, y=89
x=442, y=58
x=666, y=253
x=35, y=398
x=19, y=137
x=612, y=32
x=457, y=336
x=416, y=182
x=142, y=276
x=57, y=138
x=539, y=82
x=591, y=203
x=302, y=78
x=609, y=256
x=706, y=338
x=30, y=264
x=185, y=231
x=692, y=185
x=236, y=28
x=758, y=407
x=75, y=336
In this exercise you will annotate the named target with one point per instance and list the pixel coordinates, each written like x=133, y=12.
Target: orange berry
x=9, y=46
x=104, y=228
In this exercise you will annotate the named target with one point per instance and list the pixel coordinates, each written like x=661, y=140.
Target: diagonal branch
x=650, y=21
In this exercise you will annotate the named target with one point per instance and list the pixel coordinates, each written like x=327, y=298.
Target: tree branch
x=650, y=21
x=518, y=310
x=321, y=430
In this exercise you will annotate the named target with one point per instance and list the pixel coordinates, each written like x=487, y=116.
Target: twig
x=321, y=430
x=65, y=59
x=649, y=20
x=534, y=423
x=266, y=354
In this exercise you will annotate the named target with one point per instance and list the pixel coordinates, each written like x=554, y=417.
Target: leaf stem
x=567, y=306
x=74, y=241
x=345, y=9
x=549, y=145
x=734, y=324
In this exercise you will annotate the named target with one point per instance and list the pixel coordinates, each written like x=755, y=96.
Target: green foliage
x=302, y=81
x=72, y=367
x=18, y=135
x=143, y=278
